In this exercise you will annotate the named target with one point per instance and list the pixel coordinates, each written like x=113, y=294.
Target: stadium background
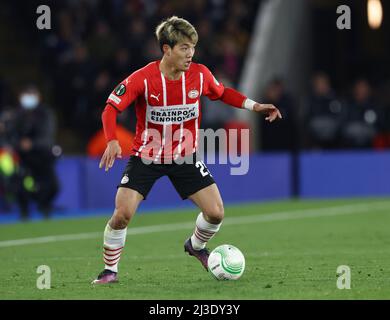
x=280, y=46
x=314, y=198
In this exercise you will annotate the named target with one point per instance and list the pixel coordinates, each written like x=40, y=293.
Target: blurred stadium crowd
x=358, y=117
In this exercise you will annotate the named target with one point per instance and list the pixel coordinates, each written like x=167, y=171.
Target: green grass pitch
x=292, y=250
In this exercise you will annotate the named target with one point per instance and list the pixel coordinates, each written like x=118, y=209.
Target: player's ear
x=167, y=49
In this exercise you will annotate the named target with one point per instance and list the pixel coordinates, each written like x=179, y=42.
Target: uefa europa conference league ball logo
x=120, y=89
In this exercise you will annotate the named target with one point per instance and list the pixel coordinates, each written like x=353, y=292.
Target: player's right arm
x=120, y=98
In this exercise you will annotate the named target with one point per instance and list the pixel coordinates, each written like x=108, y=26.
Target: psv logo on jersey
x=193, y=94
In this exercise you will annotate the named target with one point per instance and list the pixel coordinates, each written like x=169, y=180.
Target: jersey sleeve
x=126, y=91
x=211, y=87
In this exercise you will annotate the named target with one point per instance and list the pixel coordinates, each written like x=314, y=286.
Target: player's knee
x=121, y=217
x=215, y=213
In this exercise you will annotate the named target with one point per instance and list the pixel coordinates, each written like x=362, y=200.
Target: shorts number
x=203, y=170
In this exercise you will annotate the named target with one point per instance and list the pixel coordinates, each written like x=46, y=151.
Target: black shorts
x=187, y=178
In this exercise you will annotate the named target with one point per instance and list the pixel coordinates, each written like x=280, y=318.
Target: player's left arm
x=216, y=91
x=236, y=99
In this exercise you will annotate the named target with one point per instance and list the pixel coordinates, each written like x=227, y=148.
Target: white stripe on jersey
x=196, y=121
x=201, y=84
x=183, y=89
x=146, y=120
x=164, y=85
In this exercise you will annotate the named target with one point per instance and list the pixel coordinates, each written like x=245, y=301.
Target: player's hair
x=174, y=30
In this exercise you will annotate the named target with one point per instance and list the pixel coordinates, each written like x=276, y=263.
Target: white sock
x=114, y=241
x=203, y=232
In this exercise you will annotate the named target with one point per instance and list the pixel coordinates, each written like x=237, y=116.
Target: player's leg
x=210, y=218
x=194, y=181
x=207, y=223
x=126, y=204
x=137, y=180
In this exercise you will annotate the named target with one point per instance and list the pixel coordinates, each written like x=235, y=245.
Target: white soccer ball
x=226, y=262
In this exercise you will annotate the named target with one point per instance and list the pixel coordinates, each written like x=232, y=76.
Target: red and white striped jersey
x=168, y=111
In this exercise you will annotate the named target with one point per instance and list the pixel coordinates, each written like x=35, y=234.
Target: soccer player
x=167, y=100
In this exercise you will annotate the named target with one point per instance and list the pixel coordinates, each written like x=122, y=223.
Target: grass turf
x=286, y=258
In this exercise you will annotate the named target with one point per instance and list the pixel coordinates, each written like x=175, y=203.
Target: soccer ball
x=226, y=262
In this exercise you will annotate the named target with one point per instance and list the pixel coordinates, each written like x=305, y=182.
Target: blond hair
x=174, y=30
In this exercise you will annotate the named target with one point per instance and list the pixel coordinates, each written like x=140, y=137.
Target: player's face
x=182, y=54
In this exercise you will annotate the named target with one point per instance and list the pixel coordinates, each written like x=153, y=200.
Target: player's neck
x=169, y=71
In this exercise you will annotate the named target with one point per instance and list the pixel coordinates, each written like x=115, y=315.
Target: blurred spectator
x=364, y=117
x=323, y=114
x=281, y=134
x=32, y=139
x=74, y=87
x=90, y=121
x=8, y=167
x=102, y=43
x=135, y=38
x=8, y=160
x=228, y=56
x=217, y=10
x=121, y=64
x=205, y=53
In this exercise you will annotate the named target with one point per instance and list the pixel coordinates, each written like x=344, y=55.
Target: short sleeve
x=126, y=91
x=211, y=87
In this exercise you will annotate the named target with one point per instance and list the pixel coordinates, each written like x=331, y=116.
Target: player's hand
x=112, y=152
x=269, y=110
